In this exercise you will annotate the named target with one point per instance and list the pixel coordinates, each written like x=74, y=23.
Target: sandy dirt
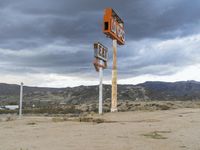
x=160, y=130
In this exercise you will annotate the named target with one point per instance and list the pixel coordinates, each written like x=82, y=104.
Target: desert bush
x=9, y=118
x=154, y=135
x=31, y=123
x=89, y=119
x=8, y=111
x=164, y=107
x=67, y=110
x=57, y=119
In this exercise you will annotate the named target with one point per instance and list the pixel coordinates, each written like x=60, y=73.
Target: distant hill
x=163, y=91
x=184, y=90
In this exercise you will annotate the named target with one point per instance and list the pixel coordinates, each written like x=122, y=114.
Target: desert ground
x=177, y=129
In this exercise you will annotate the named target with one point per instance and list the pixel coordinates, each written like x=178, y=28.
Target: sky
x=50, y=43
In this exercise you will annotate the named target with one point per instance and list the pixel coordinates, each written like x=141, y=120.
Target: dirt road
x=160, y=130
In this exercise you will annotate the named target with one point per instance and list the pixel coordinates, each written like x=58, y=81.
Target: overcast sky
x=50, y=42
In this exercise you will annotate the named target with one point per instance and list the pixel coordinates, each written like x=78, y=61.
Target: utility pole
x=21, y=99
x=114, y=78
x=100, y=89
x=100, y=63
x=114, y=28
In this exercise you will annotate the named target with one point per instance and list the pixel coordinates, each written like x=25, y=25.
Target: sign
x=100, y=51
x=100, y=63
x=101, y=56
x=114, y=26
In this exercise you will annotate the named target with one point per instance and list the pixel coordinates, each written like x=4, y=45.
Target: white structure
x=100, y=89
x=21, y=99
x=100, y=63
x=11, y=107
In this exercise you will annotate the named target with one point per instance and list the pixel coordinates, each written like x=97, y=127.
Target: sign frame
x=100, y=51
x=101, y=56
x=113, y=26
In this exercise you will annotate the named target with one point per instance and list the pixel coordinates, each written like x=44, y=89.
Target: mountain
x=162, y=91
x=183, y=90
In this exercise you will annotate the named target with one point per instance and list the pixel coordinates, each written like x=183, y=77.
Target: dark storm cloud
x=47, y=61
x=75, y=20
x=36, y=25
x=160, y=57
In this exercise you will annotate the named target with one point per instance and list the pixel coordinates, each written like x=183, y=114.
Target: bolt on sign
x=114, y=26
x=100, y=54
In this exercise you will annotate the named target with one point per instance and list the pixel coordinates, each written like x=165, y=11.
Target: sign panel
x=100, y=52
x=114, y=26
x=101, y=56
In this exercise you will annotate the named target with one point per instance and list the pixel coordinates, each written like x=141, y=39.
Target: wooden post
x=114, y=78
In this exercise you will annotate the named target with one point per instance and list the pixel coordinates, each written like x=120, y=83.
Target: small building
x=11, y=107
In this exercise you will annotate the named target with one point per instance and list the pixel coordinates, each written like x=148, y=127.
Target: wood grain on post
x=114, y=78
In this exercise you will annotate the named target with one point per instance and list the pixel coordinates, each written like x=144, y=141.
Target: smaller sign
x=100, y=51
x=101, y=56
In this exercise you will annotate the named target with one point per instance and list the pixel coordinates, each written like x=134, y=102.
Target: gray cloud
x=58, y=35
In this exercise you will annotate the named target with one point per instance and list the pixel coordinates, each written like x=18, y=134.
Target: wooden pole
x=114, y=78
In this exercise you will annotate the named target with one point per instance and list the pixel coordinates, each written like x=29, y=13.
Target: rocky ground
x=176, y=129
x=124, y=106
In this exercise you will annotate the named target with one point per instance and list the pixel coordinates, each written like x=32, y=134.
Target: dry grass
x=81, y=119
x=23, y=149
x=156, y=134
x=90, y=119
x=95, y=120
x=9, y=118
x=31, y=123
x=59, y=119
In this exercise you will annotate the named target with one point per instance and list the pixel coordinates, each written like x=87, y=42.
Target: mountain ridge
x=147, y=91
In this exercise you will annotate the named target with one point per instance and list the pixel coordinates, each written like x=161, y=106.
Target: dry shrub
x=57, y=119
x=9, y=118
x=94, y=120
x=156, y=134
x=31, y=123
